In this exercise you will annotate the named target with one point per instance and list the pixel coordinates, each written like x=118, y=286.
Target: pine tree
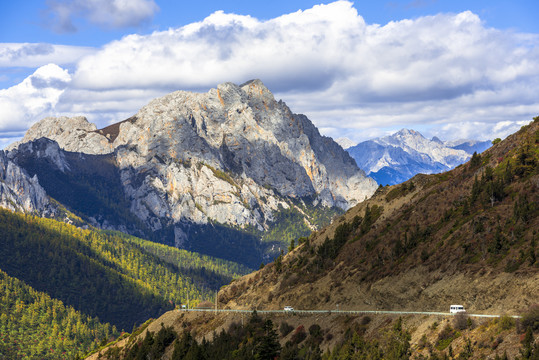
x=268, y=347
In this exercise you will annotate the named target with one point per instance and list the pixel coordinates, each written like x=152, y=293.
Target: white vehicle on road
x=455, y=309
x=288, y=309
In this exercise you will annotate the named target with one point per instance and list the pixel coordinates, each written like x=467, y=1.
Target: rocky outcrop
x=233, y=156
x=20, y=192
x=73, y=134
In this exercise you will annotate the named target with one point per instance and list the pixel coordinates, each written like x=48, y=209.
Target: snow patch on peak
x=345, y=142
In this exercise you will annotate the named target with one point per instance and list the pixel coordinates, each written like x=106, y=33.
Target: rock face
x=231, y=156
x=20, y=192
x=396, y=158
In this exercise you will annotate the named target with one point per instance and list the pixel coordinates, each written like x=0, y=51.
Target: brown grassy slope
x=422, y=245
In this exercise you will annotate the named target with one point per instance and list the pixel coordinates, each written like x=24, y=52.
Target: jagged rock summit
x=233, y=155
x=239, y=129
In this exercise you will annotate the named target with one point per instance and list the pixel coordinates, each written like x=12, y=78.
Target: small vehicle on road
x=288, y=309
x=455, y=309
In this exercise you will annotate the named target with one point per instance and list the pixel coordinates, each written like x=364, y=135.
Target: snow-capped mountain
x=345, y=142
x=398, y=157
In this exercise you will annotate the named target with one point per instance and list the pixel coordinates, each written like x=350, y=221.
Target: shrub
x=285, y=328
x=299, y=335
x=365, y=320
x=530, y=319
x=423, y=342
x=445, y=337
x=505, y=323
x=316, y=335
x=460, y=321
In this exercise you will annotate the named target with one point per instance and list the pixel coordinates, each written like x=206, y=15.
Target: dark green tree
x=182, y=346
x=268, y=348
x=529, y=350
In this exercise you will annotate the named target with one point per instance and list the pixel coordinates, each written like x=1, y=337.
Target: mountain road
x=345, y=312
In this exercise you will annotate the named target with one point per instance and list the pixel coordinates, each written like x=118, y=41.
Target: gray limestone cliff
x=233, y=156
x=20, y=192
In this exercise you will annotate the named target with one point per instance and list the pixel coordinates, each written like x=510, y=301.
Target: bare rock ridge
x=20, y=192
x=232, y=128
x=233, y=156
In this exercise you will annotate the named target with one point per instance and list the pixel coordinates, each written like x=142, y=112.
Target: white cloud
x=295, y=51
x=32, y=99
x=39, y=54
x=447, y=73
x=105, y=13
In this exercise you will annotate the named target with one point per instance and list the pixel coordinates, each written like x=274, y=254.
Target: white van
x=288, y=309
x=455, y=309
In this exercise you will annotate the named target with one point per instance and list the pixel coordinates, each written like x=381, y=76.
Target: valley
x=115, y=227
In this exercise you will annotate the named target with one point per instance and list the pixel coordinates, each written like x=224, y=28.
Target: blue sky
x=25, y=21
x=368, y=68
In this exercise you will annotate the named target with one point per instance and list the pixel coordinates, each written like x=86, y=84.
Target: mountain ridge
x=457, y=237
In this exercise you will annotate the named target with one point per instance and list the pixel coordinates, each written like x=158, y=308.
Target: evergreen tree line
x=202, y=269
x=257, y=339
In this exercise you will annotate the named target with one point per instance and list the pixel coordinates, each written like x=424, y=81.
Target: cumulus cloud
x=32, y=99
x=294, y=51
x=60, y=14
x=447, y=74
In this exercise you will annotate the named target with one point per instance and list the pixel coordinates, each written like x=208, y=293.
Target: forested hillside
x=35, y=326
x=117, y=278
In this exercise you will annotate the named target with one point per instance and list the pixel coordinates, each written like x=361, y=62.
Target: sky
x=447, y=68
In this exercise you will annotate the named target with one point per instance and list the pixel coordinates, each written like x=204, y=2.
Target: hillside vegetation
x=466, y=236
x=180, y=335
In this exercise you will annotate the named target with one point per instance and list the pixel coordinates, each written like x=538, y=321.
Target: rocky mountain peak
x=233, y=155
x=406, y=132
x=255, y=89
x=345, y=142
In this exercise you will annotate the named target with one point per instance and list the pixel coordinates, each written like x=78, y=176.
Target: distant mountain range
x=396, y=158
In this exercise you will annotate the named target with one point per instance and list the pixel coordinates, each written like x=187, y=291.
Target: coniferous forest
x=35, y=326
x=81, y=285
